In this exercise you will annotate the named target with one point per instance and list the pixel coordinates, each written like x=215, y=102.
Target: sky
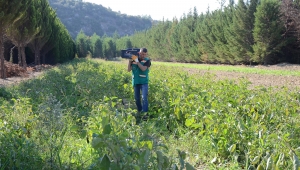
x=158, y=9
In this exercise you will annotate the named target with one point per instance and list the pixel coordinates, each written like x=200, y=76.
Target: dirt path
x=17, y=75
x=17, y=79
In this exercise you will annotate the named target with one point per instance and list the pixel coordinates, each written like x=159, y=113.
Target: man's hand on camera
x=135, y=58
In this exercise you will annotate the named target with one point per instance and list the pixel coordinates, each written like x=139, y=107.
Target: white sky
x=158, y=9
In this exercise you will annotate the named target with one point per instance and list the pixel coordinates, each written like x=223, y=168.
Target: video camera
x=129, y=52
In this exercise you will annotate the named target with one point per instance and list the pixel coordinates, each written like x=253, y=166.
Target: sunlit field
x=81, y=115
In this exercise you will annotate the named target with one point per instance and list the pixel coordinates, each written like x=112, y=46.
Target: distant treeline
x=252, y=32
x=256, y=32
x=33, y=31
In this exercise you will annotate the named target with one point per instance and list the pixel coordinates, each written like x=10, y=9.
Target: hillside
x=92, y=18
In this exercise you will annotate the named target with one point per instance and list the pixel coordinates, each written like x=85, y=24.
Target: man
x=140, y=78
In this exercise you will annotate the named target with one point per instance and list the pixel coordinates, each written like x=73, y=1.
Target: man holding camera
x=139, y=65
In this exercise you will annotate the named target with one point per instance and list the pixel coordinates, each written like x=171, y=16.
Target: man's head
x=143, y=53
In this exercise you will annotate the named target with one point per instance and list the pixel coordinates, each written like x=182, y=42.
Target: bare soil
x=17, y=74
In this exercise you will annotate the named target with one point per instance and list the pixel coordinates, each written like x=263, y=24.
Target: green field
x=229, y=68
x=73, y=117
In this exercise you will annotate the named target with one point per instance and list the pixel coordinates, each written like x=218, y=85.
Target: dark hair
x=143, y=50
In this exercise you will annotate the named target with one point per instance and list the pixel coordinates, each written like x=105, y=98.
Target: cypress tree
x=25, y=30
x=96, y=45
x=81, y=44
x=51, y=43
x=45, y=22
x=109, y=48
x=9, y=14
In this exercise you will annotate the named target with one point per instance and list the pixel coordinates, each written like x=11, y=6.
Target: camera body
x=129, y=52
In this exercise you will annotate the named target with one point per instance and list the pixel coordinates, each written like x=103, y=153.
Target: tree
x=291, y=12
x=109, y=48
x=9, y=14
x=267, y=32
x=239, y=35
x=24, y=30
x=96, y=46
x=50, y=44
x=81, y=44
x=45, y=21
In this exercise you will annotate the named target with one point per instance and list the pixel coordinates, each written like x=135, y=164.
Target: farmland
x=208, y=117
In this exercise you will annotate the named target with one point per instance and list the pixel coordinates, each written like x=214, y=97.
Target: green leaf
x=74, y=128
x=260, y=167
x=107, y=129
x=189, y=122
x=232, y=148
x=105, y=121
x=83, y=134
x=97, y=143
x=255, y=160
x=105, y=163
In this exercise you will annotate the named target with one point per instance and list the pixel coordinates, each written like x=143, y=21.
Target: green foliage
x=45, y=21
x=75, y=115
x=82, y=45
x=109, y=48
x=96, y=46
x=239, y=35
x=23, y=31
x=236, y=34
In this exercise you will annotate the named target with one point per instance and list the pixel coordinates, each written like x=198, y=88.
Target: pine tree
x=239, y=36
x=206, y=39
x=267, y=32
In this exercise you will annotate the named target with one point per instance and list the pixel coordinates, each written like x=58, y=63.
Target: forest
x=252, y=32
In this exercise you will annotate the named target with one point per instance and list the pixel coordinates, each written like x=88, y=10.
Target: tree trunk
x=12, y=54
x=24, y=64
x=2, y=67
x=19, y=56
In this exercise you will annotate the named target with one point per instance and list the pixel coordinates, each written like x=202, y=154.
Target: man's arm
x=145, y=66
